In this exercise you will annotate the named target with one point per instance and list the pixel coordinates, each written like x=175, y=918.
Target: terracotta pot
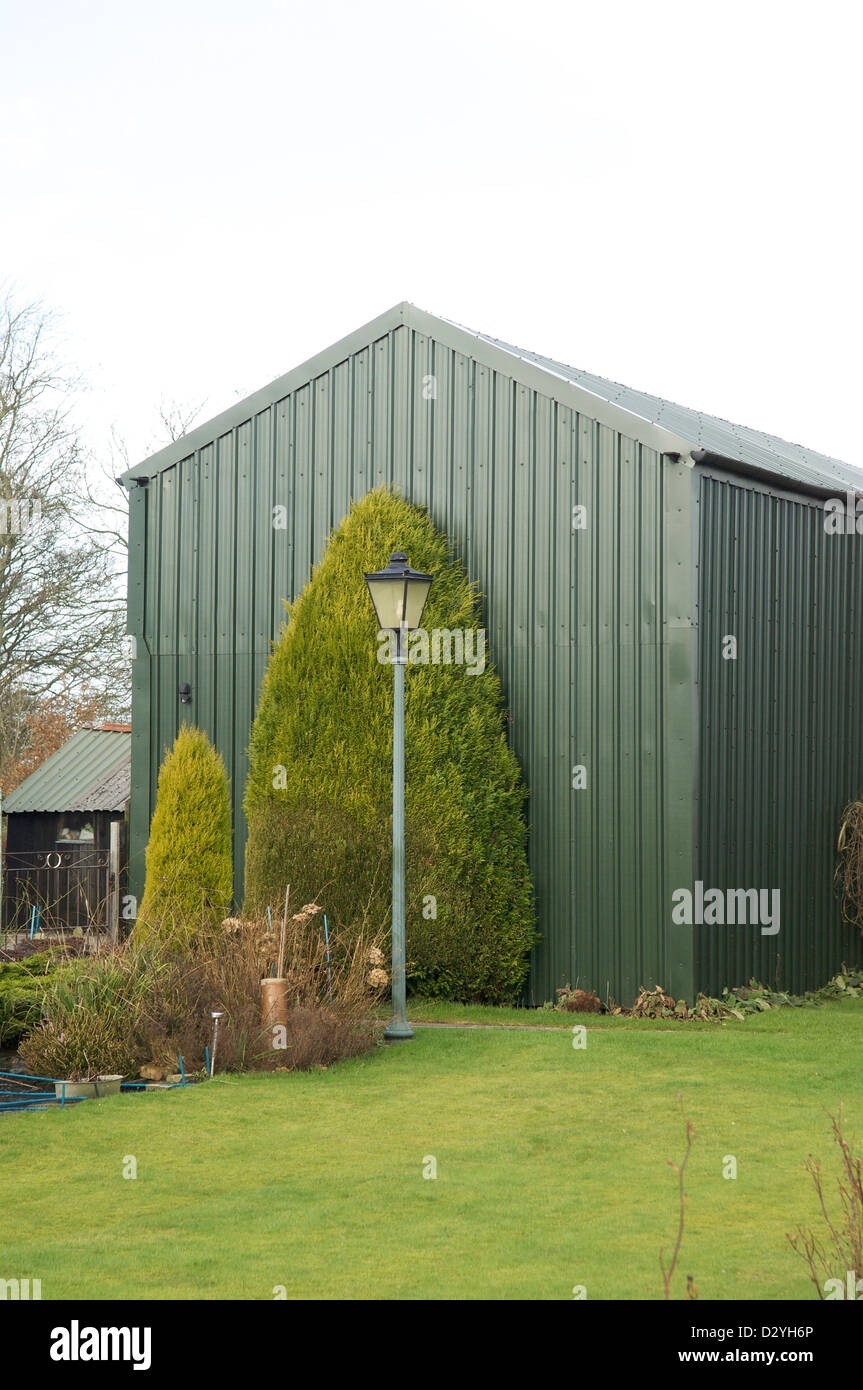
x=274, y=1002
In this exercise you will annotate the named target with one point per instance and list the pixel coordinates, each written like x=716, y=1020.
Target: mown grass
x=552, y=1169
x=441, y=1011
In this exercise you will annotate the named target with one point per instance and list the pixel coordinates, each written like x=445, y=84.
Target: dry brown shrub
x=581, y=1001
x=154, y=1001
x=331, y=1001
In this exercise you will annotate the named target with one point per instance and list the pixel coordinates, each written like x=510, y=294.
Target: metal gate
x=69, y=888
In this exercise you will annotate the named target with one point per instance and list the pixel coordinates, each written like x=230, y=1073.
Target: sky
x=668, y=194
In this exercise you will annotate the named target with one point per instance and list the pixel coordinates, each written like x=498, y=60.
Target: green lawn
x=551, y=1163
x=441, y=1011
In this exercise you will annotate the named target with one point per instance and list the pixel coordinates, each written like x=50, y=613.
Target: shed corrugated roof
x=111, y=794
x=91, y=772
x=659, y=423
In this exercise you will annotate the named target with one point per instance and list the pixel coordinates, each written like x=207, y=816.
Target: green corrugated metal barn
x=619, y=542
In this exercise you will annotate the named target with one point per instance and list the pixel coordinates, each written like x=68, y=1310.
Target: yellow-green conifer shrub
x=189, y=881
x=319, y=795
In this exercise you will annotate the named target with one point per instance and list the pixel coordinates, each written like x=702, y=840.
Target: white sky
x=664, y=193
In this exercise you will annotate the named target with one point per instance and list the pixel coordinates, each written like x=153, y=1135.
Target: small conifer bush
x=189, y=880
x=319, y=794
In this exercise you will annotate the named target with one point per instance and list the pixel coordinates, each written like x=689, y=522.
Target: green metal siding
x=781, y=741
x=591, y=630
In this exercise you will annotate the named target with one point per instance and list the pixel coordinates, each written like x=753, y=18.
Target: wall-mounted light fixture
x=185, y=694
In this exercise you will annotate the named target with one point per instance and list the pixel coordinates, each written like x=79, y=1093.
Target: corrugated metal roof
x=89, y=773
x=765, y=452
x=112, y=793
x=651, y=419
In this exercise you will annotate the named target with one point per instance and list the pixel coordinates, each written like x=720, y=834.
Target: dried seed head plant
x=848, y=874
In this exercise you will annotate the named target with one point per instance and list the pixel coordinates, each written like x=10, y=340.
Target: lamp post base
x=398, y=1030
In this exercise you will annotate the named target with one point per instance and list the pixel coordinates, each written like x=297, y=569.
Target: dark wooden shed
x=64, y=864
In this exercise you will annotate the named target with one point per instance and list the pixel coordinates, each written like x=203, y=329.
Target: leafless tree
x=108, y=510
x=63, y=540
x=62, y=616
